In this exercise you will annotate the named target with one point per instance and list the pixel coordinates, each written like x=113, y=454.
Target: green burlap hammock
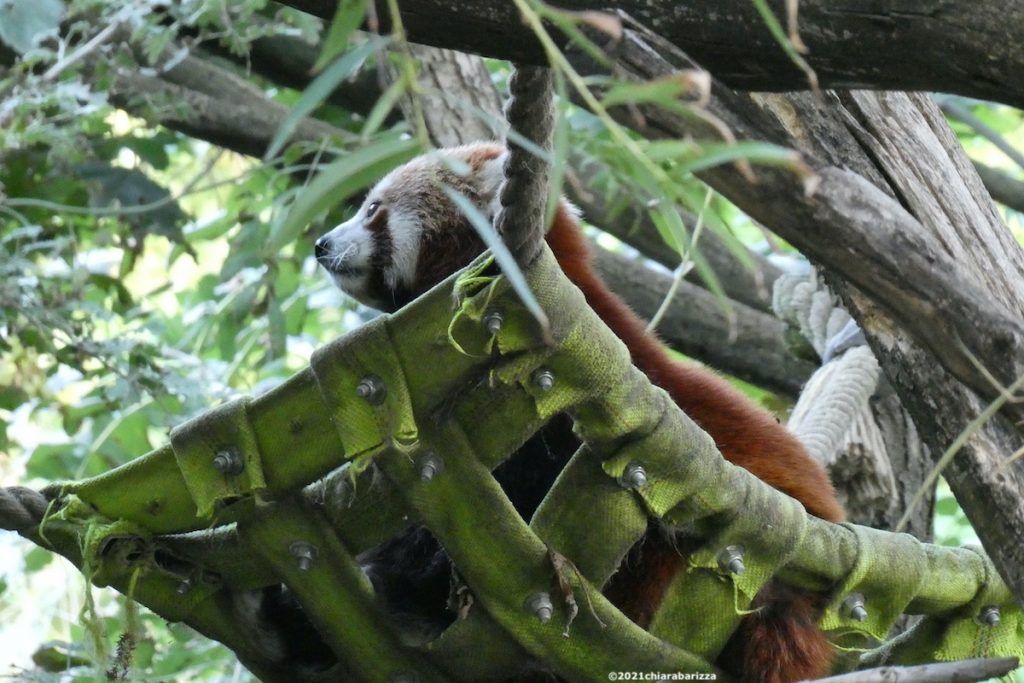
x=419, y=407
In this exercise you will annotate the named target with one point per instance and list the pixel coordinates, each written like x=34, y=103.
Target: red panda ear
x=480, y=155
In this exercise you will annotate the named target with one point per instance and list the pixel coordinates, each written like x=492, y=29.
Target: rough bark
x=877, y=237
x=971, y=48
x=202, y=100
x=455, y=86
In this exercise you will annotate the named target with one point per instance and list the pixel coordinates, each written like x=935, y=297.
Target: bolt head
x=853, y=605
x=371, y=389
x=539, y=604
x=634, y=476
x=305, y=553
x=229, y=462
x=493, y=322
x=544, y=379
x=430, y=466
x=184, y=587
x=990, y=616
x=731, y=559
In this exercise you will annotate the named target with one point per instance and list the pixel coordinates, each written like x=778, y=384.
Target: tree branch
x=970, y=48
x=941, y=672
x=1005, y=189
x=203, y=100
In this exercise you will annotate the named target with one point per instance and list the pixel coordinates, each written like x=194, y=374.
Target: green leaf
x=559, y=150
x=320, y=89
x=664, y=91
x=36, y=559
x=347, y=18
x=336, y=183
x=385, y=103
x=502, y=255
x=670, y=225
x=23, y=23
x=764, y=153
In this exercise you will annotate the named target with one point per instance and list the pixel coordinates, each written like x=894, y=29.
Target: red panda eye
x=372, y=209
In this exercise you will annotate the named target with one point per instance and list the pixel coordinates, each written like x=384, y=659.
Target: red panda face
x=408, y=235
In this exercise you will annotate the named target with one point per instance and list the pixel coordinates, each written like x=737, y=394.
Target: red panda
x=407, y=236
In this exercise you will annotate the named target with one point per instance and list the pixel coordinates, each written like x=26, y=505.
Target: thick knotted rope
x=833, y=417
x=523, y=194
x=21, y=508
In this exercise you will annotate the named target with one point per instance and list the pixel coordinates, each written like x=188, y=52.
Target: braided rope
x=21, y=508
x=530, y=112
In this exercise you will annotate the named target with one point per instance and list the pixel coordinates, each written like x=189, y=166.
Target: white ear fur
x=493, y=175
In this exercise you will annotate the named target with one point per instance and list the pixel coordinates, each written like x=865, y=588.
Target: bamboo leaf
x=385, y=103
x=347, y=18
x=318, y=91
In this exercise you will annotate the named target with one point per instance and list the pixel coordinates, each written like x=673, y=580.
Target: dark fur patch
x=442, y=252
x=391, y=299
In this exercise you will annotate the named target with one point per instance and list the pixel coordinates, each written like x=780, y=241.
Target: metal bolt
x=989, y=615
x=304, y=552
x=229, y=462
x=731, y=559
x=539, y=604
x=544, y=379
x=371, y=389
x=634, y=476
x=493, y=322
x=184, y=586
x=854, y=608
x=430, y=464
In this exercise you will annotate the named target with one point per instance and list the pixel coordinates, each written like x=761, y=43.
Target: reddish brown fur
x=782, y=642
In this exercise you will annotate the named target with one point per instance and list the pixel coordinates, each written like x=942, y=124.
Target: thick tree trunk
x=971, y=48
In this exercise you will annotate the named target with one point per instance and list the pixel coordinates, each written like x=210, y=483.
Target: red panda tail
x=781, y=642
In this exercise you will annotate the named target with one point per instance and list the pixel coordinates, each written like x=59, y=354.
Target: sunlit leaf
x=347, y=19
x=320, y=89
x=23, y=23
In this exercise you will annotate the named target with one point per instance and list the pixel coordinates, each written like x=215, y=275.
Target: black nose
x=320, y=248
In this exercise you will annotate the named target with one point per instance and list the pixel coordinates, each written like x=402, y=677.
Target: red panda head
x=408, y=235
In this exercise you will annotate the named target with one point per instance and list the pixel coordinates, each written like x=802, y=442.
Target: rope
x=21, y=508
x=523, y=194
x=833, y=407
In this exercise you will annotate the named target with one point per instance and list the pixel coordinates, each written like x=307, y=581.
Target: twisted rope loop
x=530, y=113
x=21, y=508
